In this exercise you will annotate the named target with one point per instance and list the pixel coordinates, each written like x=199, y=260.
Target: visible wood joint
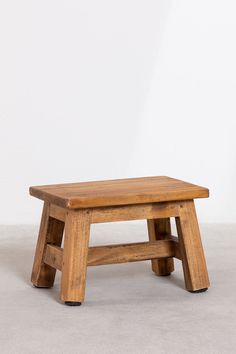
x=176, y=245
x=57, y=212
x=51, y=231
x=53, y=256
x=119, y=253
x=70, y=209
x=130, y=252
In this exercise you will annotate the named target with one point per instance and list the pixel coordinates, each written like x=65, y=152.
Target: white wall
x=111, y=89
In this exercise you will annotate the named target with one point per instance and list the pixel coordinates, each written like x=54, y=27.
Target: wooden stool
x=77, y=205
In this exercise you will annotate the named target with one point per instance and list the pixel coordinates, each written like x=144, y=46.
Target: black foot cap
x=198, y=291
x=165, y=275
x=73, y=303
x=41, y=287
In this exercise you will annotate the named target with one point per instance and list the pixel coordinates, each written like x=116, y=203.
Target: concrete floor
x=127, y=309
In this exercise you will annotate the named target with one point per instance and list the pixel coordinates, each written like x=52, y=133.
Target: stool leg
x=51, y=231
x=159, y=229
x=193, y=259
x=75, y=254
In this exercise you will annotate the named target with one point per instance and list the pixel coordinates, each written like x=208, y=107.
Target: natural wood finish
x=75, y=254
x=54, y=256
x=118, y=192
x=175, y=241
x=51, y=231
x=77, y=205
x=124, y=213
x=119, y=253
x=132, y=252
x=135, y=212
x=193, y=259
x=57, y=212
x=160, y=229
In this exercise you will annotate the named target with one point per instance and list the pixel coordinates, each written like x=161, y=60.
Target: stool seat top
x=118, y=192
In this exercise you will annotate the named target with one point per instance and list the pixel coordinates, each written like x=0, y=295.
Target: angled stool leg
x=193, y=259
x=75, y=255
x=51, y=231
x=159, y=229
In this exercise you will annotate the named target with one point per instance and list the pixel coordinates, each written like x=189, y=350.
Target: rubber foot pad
x=198, y=291
x=72, y=303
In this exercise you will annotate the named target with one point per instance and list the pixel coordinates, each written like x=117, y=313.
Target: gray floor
x=127, y=310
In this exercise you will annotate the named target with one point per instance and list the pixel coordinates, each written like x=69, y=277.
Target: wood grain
x=118, y=253
x=75, y=254
x=54, y=256
x=134, y=212
x=118, y=192
x=51, y=231
x=124, y=213
x=193, y=259
x=160, y=229
x=112, y=254
x=175, y=241
x=77, y=205
x=57, y=212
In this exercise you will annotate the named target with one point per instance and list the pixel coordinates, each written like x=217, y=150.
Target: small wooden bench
x=77, y=205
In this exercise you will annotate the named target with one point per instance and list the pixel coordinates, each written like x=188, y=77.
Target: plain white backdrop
x=110, y=89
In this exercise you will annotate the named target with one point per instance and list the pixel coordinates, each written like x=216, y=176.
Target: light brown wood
x=118, y=253
x=175, y=241
x=124, y=213
x=75, y=254
x=57, y=212
x=193, y=259
x=51, y=231
x=160, y=229
x=76, y=206
x=133, y=252
x=118, y=192
x=54, y=256
x=134, y=212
